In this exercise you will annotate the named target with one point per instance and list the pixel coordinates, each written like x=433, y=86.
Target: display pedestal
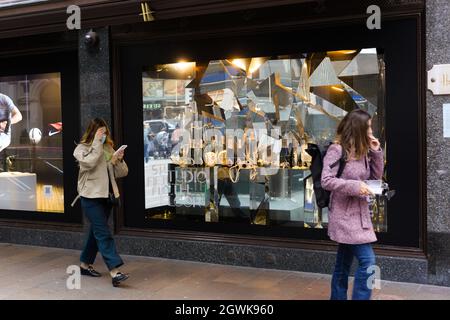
x=18, y=191
x=273, y=195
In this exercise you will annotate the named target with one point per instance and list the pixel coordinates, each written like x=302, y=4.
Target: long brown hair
x=91, y=130
x=352, y=133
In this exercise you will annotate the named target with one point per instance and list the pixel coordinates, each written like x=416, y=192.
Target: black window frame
x=64, y=62
x=400, y=40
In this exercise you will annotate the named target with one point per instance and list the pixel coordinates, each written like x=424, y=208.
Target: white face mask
x=103, y=138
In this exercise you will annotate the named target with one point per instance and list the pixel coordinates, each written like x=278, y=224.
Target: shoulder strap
x=75, y=200
x=78, y=195
x=112, y=180
x=342, y=162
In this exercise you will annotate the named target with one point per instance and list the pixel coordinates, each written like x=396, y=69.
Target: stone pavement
x=29, y=272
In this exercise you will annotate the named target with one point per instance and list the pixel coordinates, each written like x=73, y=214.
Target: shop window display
x=31, y=170
x=225, y=140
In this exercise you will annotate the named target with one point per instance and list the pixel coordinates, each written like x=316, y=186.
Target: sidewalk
x=40, y=273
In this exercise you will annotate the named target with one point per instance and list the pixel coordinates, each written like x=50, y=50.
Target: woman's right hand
x=100, y=132
x=374, y=143
x=365, y=190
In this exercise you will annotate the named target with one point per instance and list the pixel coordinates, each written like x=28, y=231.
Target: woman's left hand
x=120, y=155
x=374, y=143
x=117, y=157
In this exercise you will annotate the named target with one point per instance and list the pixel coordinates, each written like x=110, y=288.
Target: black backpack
x=318, y=154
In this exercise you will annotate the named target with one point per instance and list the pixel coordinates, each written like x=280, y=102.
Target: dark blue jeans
x=99, y=237
x=339, y=282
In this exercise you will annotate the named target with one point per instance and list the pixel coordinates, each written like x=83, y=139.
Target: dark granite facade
x=438, y=148
x=95, y=78
x=42, y=237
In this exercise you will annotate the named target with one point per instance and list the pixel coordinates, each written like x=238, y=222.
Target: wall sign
x=439, y=79
x=152, y=106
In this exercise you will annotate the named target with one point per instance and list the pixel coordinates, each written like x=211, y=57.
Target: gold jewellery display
x=246, y=164
x=253, y=161
x=183, y=162
x=210, y=159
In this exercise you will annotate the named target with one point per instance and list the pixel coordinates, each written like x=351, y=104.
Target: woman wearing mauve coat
x=350, y=224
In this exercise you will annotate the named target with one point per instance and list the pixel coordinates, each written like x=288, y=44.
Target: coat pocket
x=340, y=205
x=330, y=204
x=348, y=206
x=366, y=219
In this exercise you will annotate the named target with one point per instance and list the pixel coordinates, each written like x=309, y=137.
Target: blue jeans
x=99, y=237
x=339, y=282
x=146, y=152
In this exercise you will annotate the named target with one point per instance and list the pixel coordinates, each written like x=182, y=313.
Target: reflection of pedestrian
x=150, y=135
x=176, y=136
x=176, y=139
x=162, y=142
x=9, y=114
x=146, y=142
x=227, y=188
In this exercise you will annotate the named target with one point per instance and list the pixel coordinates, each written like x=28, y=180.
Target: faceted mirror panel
x=226, y=140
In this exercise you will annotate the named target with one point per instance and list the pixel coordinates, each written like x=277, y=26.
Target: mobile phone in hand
x=122, y=147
